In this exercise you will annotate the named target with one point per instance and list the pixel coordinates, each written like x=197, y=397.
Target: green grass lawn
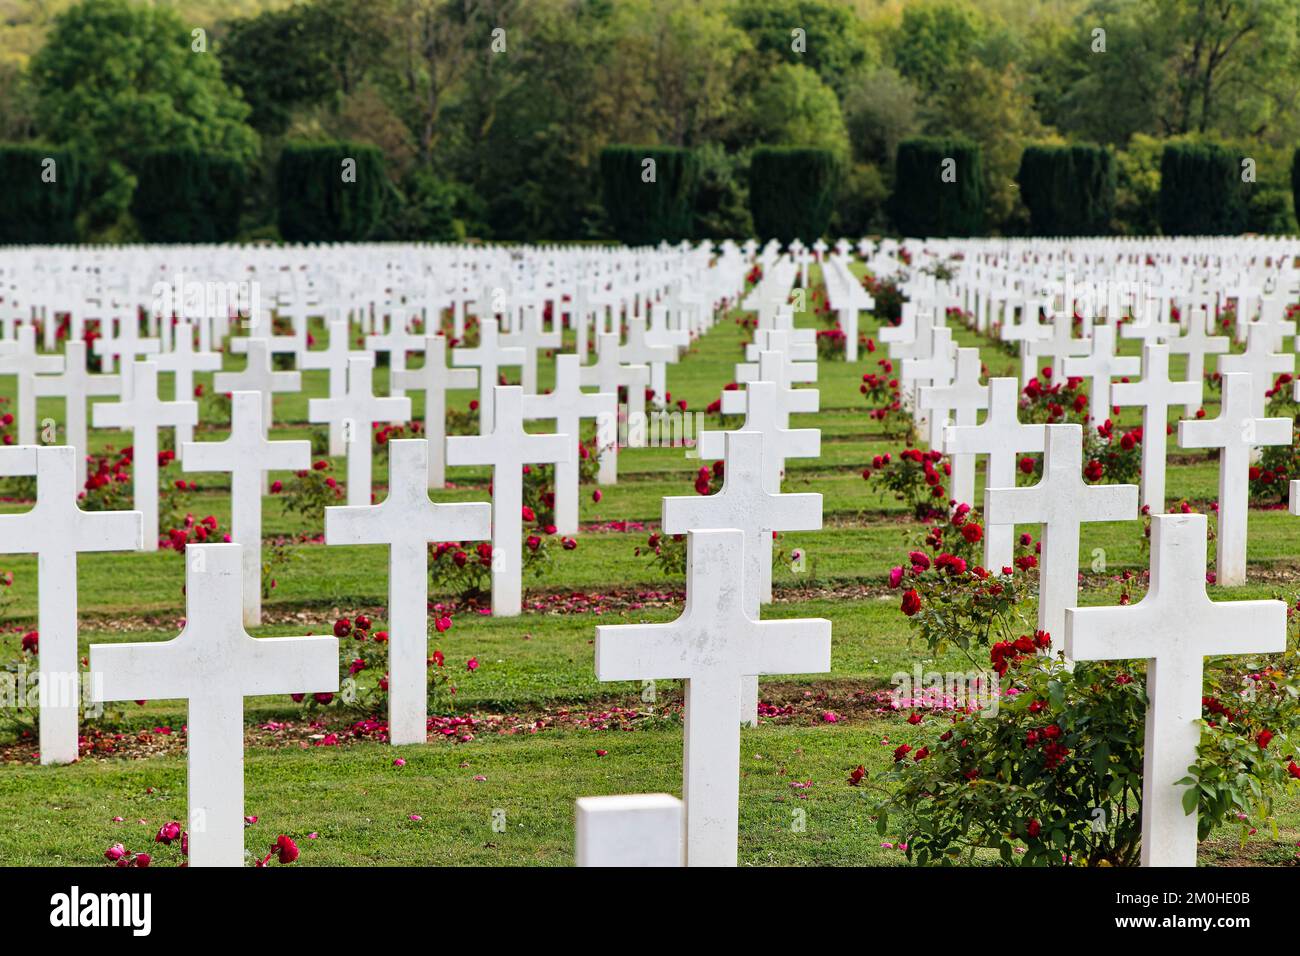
x=359, y=806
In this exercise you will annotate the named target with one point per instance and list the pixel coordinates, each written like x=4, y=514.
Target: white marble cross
x=965, y=396
x=248, y=456
x=1196, y=344
x=1261, y=363
x=1059, y=346
x=183, y=361
x=640, y=350
x=507, y=449
x=23, y=362
x=1001, y=436
x=567, y=404
x=711, y=647
x=259, y=376
x=396, y=342
x=773, y=367
x=489, y=357
x=608, y=374
x=435, y=379
x=141, y=411
x=55, y=529
x=213, y=665
x=1174, y=628
x=531, y=338
x=407, y=521
x=356, y=411
x=1060, y=502
x=334, y=359
x=745, y=503
x=1236, y=432
x=75, y=385
x=120, y=339
x=1156, y=393
x=1099, y=367
x=643, y=829
x=763, y=414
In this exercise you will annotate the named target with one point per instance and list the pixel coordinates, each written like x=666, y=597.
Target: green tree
x=934, y=39
x=833, y=41
x=116, y=79
x=793, y=107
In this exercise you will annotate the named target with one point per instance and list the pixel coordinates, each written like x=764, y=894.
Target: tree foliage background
x=492, y=114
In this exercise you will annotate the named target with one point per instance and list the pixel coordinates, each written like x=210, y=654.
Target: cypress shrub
x=188, y=195
x=316, y=205
x=923, y=204
x=1069, y=190
x=792, y=192
x=644, y=213
x=1201, y=191
x=1295, y=183
x=33, y=210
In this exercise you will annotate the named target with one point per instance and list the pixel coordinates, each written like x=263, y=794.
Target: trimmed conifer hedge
x=41, y=196
x=644, y=211
x=938, y=188
x=316, y=204
x=1201, y=192
x=1069, y=190
x=184, y=194
x=792, y=192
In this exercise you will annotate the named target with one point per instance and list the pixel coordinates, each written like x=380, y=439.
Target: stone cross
x=639, y=350
x=334, y=359
x=1059, y=346
x=763, y=414
x=1001, y=436
x=248, y=456
x=1174, y=628
x=1237, y=432
x=965, y=396
x=23, y=362
x=745, y=503
x=396, y=342
x=75, y=385
x=507, y=449
x=1060, y=502
x=259, y=376
x=1196, y=344
x=1156, y=393
x=567, y=404
x=489, y=356
x=407, y=521
x=711, y=647
x=531, y=338
x=608, y=374
x=183, y=361
x=435, y=379
x=56, y=530
x=141, y=411
x=773, y=367
x=125, y=344
x=1099, y=367
x=213, y=665
x=1261, y=363
x=356, y=411
x=635, y=830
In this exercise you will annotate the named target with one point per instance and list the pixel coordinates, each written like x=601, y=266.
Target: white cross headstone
x=634, y=830
x=259, y=376
x=435, y=379
x=745, y=503
x=56, y=530
x=763, y=414
x=356, y=412
x=531, y=338
x=1156, y=393
x=642, y=350
x=1174, y=628
x=333, y=359
x=507, y=449
x=23, y=362
x=568, y=405
x=75, y=385
x=407, y=521
x=965, y=396
x=1261, y=363
x=1195, y=343
x=608, y=374
x=1100, y=366
x=1236, y=432
x=1060, y=502
x=1001, y=436
x=213, y=665
x=248, y=456
x=489, y=357
x=711, y=647
x=183, y=361
x=141, y=411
